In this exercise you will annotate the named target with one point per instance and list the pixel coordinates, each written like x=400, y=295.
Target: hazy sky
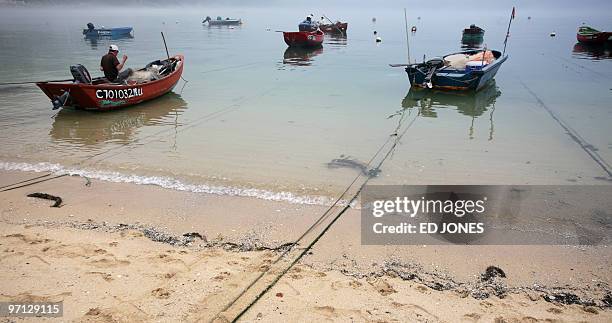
x=524, y=7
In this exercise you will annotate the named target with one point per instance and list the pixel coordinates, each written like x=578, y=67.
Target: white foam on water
x=169, y=183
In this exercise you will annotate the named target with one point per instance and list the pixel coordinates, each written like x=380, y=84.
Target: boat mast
x=508, y=32
x=407, y=40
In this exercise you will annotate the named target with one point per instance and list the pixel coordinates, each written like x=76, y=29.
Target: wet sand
x=123, y=252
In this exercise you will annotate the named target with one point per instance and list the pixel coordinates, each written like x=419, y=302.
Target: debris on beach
x=566, y=298
x=57, y=199
x=492, y=272
x=607, y=300
x=194, y=235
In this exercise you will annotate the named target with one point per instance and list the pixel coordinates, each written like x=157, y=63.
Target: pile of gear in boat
x=463, y=61
x=151, y=72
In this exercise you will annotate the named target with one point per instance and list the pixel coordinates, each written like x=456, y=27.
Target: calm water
x=256, y=115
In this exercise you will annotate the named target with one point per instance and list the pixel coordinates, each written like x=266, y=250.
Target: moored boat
x=591, y=35
x=91, y=31
x=337, y=27
x=222, y=22
x=100, y=94
x=467, y=70
x=473, y=30
x=473, y=35
x=303, y=38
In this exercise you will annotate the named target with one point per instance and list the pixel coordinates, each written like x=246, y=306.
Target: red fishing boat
x=100, y=94
x=337, y=27
x=304, y=38
x=590, y=35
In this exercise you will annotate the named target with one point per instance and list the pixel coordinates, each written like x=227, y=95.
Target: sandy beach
x=123, y=253
x=243, y=168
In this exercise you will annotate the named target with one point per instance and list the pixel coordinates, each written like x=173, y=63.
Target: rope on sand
x=397, y=135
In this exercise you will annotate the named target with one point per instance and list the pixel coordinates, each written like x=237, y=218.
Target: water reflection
x=592, y=51
x=105, y=41
x=300, y=56
x=87, y=128
x=336, y=39
x=471, y=43
x=471, y=104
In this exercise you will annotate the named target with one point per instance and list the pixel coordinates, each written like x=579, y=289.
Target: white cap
x=113, y=48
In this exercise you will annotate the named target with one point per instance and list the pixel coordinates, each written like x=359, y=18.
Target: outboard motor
x=80, y=74
x=432, y=66
x=90, y=29
x=60, y=101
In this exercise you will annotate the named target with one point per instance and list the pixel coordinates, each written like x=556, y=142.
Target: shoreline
x=231, y=227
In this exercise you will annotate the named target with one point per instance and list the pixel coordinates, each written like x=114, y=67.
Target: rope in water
x=33, y=82
x=588, y=148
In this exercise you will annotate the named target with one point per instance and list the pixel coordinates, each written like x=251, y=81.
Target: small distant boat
x=304, y=39
x=473, y=33
x=337, y=27
x=116, y=32
x=222, y=22
x=99, y=94
x=467, y=70
x=472, y=37
x=590, y=35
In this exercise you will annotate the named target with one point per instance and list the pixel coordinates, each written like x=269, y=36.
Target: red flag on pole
x=512, y=17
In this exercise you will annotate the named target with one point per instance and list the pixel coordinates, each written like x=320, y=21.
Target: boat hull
x=230, y=22
x=108, y=32
x=339, y=27
x=112, y=96
x=457, y=80
x=305, y=39
x=596, y=38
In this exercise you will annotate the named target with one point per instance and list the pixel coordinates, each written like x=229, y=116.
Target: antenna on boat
x=166, y=46
x=407, y=40
x=508, y=32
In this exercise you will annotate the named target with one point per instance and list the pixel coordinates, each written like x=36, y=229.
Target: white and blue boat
x=467, y=70
x=116, y=32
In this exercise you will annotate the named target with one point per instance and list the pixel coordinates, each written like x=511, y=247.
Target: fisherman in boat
x=110, y=64
x=308, y=24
